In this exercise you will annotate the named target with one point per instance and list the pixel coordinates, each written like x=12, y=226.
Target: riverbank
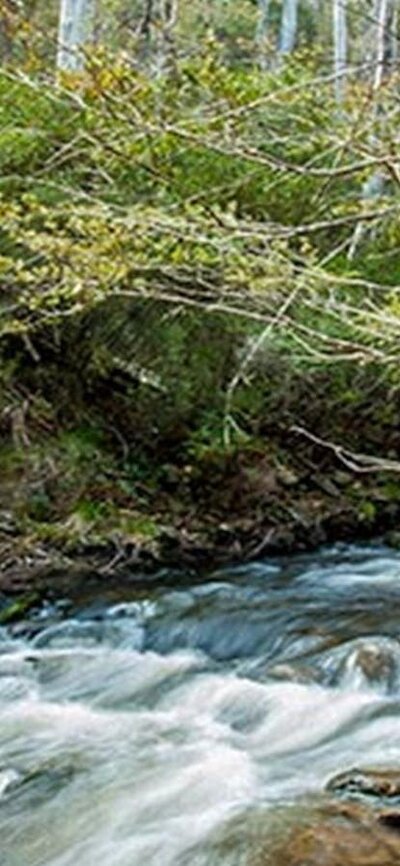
x=248, y=505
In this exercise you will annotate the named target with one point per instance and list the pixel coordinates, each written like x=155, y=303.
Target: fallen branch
x=356, y=462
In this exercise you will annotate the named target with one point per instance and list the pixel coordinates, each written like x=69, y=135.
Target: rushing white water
x=156, y=731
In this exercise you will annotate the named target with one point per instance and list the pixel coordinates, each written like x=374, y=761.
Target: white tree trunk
x=288, y=26
x=74, y=32
x=380, y=27
x=340, y=46
x=262, y=31
x=394, y=45
x=373, y=186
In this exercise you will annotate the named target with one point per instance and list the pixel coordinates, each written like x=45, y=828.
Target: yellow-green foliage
x=153, y=228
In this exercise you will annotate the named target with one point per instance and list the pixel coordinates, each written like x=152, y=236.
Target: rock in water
x=376, y=783
x=360, y=828
x=370, y=663
x=346, y=834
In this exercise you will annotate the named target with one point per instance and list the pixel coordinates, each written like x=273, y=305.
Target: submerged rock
x=293, y=673
x=365, y=663
x=39, y=783
x=376, y=663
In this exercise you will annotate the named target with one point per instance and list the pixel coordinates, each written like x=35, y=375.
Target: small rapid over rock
x=213, y=724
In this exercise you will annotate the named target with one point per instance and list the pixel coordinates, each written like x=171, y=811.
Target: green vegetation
x=177, y=292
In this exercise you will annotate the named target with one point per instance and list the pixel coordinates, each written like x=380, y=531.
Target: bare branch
x=356, y=462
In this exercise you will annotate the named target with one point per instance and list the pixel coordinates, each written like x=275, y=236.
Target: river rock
x=376, y=663
x=346, y=834
x=371, y=662
x=293, y=673
x=376, y=783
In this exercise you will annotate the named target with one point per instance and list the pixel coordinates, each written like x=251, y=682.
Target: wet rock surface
x=359, y=825
x=374, y=662
x=379, y=784
x=358, y=830
x=340, y=835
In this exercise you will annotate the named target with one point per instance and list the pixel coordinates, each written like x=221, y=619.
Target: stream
x=174, y=727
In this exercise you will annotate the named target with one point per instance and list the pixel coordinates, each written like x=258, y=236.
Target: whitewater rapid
x=165, y=730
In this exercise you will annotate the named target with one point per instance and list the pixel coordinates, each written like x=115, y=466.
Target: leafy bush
x=173, y=250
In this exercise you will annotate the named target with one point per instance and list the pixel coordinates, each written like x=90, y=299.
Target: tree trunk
x=288, y=26
x=262, y=31
x=380, y=27
x=379, y=48
x=75, y=31
x=394, y=45
x=340, y=47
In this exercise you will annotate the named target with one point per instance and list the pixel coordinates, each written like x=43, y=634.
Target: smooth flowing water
x=164, y=731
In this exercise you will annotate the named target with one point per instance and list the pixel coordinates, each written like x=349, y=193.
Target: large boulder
x=357, y=825
x=339, y=834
